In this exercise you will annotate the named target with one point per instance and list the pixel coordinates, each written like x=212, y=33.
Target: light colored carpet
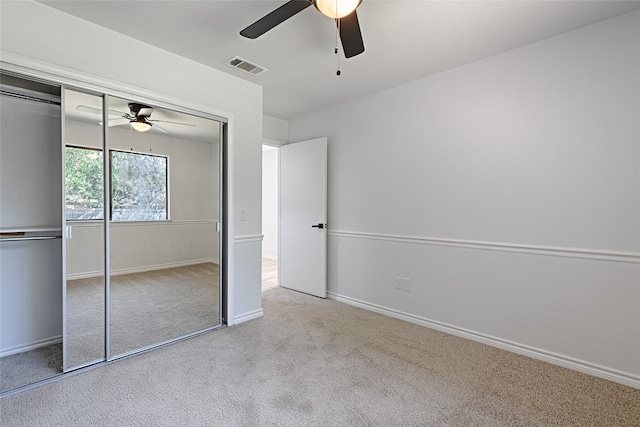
x=147, y=308
x=318, y=362
x=30, y=366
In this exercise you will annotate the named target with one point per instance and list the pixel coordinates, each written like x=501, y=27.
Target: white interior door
x=303, y=217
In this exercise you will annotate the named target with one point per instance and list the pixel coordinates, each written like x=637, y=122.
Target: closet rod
x=21, y=239
x=28, y=97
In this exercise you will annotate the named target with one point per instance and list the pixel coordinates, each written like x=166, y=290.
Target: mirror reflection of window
x=138, y=187
x=83, y=180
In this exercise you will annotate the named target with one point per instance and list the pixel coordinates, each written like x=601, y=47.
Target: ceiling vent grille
x=246, y=66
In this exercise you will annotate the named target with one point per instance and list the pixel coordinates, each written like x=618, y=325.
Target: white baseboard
x=248, y=316
x=535, y=353
x=142, y=269
x=31, y=346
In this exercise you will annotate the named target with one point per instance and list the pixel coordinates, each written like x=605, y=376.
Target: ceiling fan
x=343, y=11
x=138, y=117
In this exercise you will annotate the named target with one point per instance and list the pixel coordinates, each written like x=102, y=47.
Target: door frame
x=277, y=145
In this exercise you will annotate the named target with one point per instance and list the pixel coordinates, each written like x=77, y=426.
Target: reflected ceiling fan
x=138, y=117
x=343, y=11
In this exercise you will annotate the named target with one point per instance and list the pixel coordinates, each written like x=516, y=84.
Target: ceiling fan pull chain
x=337, y=31
x=336, y=49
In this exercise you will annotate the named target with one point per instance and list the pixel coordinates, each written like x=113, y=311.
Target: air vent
x=246, y=66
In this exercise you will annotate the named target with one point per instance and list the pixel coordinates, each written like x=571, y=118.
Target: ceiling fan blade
x=350, y=35
x=173, y=123
x=275, y=18
x=118, y=122
x=156, y=127
x=86, y=109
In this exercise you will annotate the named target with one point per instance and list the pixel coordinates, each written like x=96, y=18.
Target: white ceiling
x=404, y=40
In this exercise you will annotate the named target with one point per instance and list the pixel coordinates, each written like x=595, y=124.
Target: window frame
x=110, y=178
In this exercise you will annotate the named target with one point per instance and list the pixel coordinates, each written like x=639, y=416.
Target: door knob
x=319, y=226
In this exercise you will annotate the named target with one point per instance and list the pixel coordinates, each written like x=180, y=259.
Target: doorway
x=270, y=197
x=294, y=207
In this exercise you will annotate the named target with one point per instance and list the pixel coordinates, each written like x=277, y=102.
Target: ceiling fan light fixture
x=140, y=124
x=336, y=9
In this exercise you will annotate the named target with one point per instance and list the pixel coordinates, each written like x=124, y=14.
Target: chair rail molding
x=246, y=238
x=592, y=254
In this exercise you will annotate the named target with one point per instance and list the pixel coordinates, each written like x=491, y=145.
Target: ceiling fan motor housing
x=140, y=109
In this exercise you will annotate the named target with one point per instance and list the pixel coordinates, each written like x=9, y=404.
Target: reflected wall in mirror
x=164, y=277
x=84, y=225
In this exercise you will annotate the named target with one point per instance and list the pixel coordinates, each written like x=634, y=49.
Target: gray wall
x=508, y=191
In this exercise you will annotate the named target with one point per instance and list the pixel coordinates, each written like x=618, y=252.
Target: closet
x=31, y=230
x=111, y=235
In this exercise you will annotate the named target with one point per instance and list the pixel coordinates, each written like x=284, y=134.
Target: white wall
x=48, y=39
x=508, y=191
x=274, y=129
x=270, y=202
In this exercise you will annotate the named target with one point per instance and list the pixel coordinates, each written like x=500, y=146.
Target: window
x=83, y=183
x=138, y=185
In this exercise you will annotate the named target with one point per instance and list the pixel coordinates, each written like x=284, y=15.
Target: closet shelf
x=26, y=238
x=32, y=229
x=21, y=234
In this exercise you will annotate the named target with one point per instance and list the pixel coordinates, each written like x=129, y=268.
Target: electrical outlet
x=397, y=283
x=406, y=284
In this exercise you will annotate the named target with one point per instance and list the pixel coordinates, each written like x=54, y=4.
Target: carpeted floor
x=318, y=362
x=147, y=308
x=30, y=366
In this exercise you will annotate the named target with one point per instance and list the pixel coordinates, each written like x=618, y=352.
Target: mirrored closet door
x=84, y=194
x=110, y=225
x=164, y=204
